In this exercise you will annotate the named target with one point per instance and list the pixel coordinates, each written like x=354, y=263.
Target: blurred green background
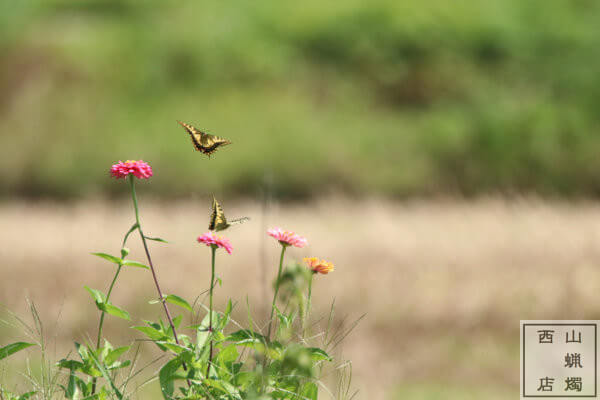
x=391, y=98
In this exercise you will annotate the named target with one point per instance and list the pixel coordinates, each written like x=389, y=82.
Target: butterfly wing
x=202, y=141
x=210, y=143
x=213, y=216
x=218, y=222
x=195, y=135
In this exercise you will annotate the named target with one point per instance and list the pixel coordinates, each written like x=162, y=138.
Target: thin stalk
x=210, y=321
x=308, y=303
x=310, y=290
x=102, y=314
x=283, y=247
x=112, y=284
x=143, y=237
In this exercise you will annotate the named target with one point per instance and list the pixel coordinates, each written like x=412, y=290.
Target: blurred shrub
x=395, y=98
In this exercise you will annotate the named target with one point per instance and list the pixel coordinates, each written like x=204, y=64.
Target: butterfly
x=203, y=141
x=218, y=222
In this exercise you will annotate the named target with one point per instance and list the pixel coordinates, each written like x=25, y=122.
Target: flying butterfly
x=218, y=222
x=203, y=141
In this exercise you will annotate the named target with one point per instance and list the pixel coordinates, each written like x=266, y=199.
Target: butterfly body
x=218, y=222
x=202, y=141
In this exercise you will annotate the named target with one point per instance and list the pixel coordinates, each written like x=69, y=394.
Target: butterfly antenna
x=239, y=220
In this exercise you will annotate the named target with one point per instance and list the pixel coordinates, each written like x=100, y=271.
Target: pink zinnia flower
x=140, y=169
x=287, y=238
x=318, y=266
x=210, y=239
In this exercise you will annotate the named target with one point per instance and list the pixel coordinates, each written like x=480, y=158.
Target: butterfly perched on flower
x=218, y=222
x=203, y=141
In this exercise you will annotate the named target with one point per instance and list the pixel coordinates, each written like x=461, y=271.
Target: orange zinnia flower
x=318, y=266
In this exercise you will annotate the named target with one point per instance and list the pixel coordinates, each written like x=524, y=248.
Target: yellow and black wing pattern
x=204, y=142
x=218, y=222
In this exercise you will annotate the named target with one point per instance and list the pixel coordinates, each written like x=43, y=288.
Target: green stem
x=102, y=314
x=283, y=247
x=308, y=304
x=112, y=284
x=310, y=291
x=143, y=237
x=210, y=321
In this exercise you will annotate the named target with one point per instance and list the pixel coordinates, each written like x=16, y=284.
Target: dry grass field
x=444, y=283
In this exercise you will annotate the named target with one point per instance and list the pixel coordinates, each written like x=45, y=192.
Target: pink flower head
x=210, y=239
x=139, y=169
x=287, y=238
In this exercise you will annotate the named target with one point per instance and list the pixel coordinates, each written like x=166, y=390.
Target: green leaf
x=98, y=296
x=236, y=367
x=85, y=387
x=157, y=326
x=152, y=333
x=13, y=348
x=156, y=239
x=177, y=321
x=275, y=350
x=202, y=333
x=317, y=354
x=113, y=355
x=166, y=377
x=106, y=375
x=227, y=355
x=108, y=257
x=72, y=391
x=258, y=342
x=184, y=340
x=88, y=365
x=83, y=351
x=246, y=336
x=310, y=391
x=69, y=364
x=224, y=386
x=218, y=335
x=178, y=301
x=224, y=319
x=114, y=310
x=285, y=321
x=174, y=347
x=119, y=364
x=228, y=309
x=131, y=263
x=244, y=379
x=103, y=351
